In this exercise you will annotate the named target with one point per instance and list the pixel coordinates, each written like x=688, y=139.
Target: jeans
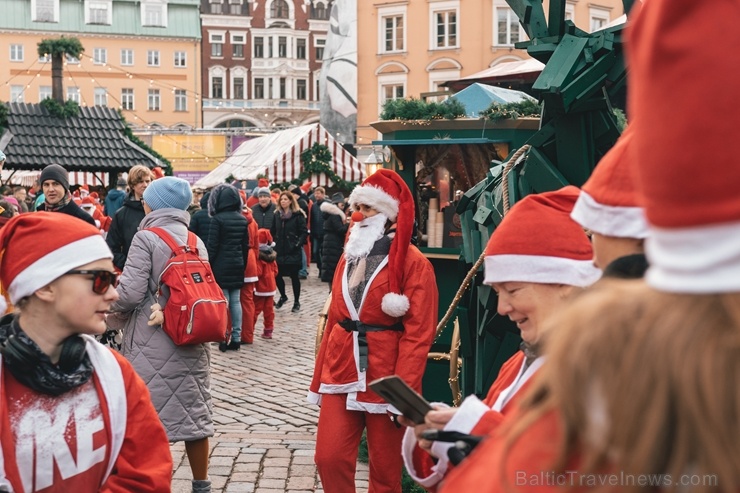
x=235, y=309
x=304, y=266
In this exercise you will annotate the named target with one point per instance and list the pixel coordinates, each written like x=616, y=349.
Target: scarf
x=44, y=377
x=530, y=351
x=285, y=215
x=60, y=204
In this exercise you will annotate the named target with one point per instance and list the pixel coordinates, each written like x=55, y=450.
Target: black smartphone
x=397, y=392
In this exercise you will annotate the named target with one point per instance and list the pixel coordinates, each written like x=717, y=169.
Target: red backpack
x=196, y=311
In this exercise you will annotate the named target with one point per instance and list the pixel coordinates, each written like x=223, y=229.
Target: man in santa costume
x=381, y=322
x=534, y=260
x=74, y=415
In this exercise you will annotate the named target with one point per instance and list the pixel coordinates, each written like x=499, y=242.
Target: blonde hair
x=137, y=174
x=645, y=382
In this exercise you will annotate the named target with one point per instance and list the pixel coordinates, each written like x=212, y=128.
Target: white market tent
x=278, y=157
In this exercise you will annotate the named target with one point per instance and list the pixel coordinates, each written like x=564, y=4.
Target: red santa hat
x=263, y=183
x=537, y=241
x=27, y=264
x=306, y=187
x=608, y=203
x=386, y=192
x=264, y=237
x=686, y=164
x=157, y=172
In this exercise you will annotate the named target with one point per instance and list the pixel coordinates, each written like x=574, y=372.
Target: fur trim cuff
x=395, y=305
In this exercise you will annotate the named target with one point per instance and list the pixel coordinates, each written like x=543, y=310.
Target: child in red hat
x=266, y=287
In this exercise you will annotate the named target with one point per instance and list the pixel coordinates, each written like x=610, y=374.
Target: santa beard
x=363, y=236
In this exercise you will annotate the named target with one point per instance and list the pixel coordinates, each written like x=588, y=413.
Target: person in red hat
x=608, y=207
x=76, y=416
x=266, y=287
x=251, y=276
x=534, y=260
x=381, y=322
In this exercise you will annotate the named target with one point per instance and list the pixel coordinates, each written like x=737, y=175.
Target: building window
x=507, y=27
x=127, y=99
x=217, y=87
x=101, y=96
x=236, y=7
x=71, y=60
x=300, y=89
x=319, y=11
x=599, y=18
x=181, y=100
x=319, y=44
x=392, y=91
x=269, y=47
x=45, y=58
x=16, y=53
x=216, y=6
x=300, y=49
x=181, y=59
x=279, y=9
x=393, y=33
x=100, y=56
x=282, y=47
x=282, y=88
x=154, y=14
x=16, y=94
x=217, y=44
x=45, y=10
x=444, y=27
x=73, y=94
x=99, y=12
x=259, y=88
x=237, y=45
x=44, y=93
x=152, y=58
x=238, y=88
x=259, y=47
x=127, y=57
x=153, y=99
x=570, y=12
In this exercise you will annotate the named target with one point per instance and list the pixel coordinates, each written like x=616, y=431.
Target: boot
x=201, y=486
x=234, y=346
x=281, y=302
x=267, y=334
x=296, y=307
x=223, y=346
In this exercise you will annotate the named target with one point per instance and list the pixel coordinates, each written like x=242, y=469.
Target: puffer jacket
x=289, y=236
x=264, y=217
x=123, y=227
x=228, y=237
x=335, y=230
x=200, y=222
x=178, y=377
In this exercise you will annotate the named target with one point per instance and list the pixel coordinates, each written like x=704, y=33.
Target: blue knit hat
x=168, y=192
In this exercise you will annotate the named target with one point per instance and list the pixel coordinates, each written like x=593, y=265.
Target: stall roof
x=278, y=157
x=478, y=97
x=424, y=142
x=502, y=72
x=94, y=140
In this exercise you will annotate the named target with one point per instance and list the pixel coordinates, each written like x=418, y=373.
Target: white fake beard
x=363, y=236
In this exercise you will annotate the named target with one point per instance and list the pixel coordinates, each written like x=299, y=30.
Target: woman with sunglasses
x=178, y=377
x=74, y=415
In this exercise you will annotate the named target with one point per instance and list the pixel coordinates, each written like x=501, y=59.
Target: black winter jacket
x=228, y=237
x=264, y=217
x=200, y=223
x=317, y=220
x=335, y=230
x=289, y=237
x=73, y=210
x=123, y=227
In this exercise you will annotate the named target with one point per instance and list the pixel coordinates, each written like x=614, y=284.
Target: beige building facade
x=410, y=47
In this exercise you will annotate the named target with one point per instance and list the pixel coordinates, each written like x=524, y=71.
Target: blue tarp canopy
x=477, y=97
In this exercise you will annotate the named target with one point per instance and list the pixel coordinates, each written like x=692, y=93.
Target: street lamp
x=373, y=163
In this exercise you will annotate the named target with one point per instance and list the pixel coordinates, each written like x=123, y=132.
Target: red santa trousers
x=337, y=442
x=266, y=305
x=246, y=298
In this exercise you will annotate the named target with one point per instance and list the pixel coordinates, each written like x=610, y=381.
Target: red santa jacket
x=266, y=272
x=474, y=417
x=337, y=368
x=134, y=453
x=250, y=272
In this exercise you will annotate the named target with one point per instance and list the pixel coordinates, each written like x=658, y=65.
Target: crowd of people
x=624, y=292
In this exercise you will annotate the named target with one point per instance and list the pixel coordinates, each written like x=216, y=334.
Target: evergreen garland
x=4, y=112
x=497, y=111
x=68, y=109
x=418, y=110
x=60, y=46
x=316, y=160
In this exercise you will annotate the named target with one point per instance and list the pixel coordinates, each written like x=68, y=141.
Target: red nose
x=357, y=216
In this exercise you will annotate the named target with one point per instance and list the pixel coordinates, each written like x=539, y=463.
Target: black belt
x=362, y=329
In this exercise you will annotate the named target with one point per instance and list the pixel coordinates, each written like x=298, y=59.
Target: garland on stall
x=316, y=160
x=526, y=108
x=66, y=110
x=417, y=110
x=4, y=111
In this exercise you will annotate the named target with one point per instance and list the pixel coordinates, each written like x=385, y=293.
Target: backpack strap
x=192, y=242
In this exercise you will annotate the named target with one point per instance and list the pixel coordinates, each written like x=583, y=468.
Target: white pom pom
x=3, y=305
x=395, y=305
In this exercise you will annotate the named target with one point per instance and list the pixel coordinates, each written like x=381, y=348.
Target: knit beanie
x=57, y=173
x=537, y=241
x=168, y=193
x=263, y=192
x=27, y=264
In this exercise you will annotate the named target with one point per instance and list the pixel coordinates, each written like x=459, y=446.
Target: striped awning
x=278, y=157
x=27, y=178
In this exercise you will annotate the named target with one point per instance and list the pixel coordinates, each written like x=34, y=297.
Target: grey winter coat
x=178, y=377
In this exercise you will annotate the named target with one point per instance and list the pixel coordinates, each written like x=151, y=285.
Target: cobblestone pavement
x=265, y=429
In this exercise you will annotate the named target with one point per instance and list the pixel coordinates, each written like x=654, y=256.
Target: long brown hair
x=293, y=202
x=645, y=382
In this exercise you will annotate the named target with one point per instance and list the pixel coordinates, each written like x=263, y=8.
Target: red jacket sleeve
x=145, y=462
